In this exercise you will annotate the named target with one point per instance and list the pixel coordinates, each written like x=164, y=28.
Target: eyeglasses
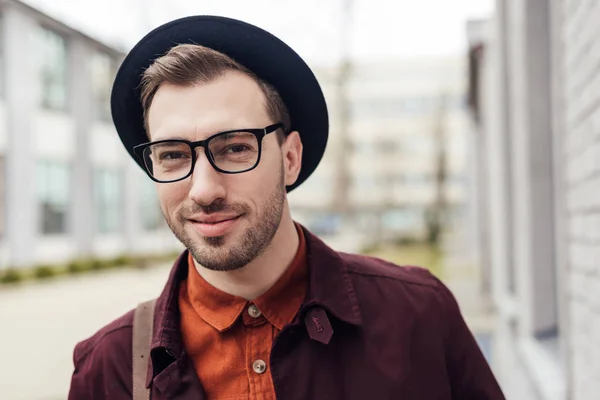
x=229, y=152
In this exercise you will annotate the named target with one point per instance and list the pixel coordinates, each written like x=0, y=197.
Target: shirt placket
x=258, y=337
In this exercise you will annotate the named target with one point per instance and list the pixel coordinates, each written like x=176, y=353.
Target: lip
x=212, y=226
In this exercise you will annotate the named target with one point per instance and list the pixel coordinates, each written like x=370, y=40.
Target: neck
x=259, y=275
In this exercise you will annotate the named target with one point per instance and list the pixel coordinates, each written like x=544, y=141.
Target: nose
x=207, y=182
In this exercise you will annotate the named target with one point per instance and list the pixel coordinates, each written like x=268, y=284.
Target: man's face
x=225, y=220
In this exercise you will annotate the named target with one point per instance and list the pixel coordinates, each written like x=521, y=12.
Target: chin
x=215, y=241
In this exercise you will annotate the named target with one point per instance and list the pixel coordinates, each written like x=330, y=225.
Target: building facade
x=68, y=189
x=536, y=108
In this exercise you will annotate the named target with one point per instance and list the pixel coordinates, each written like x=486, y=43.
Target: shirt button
x=253, y=311
x=259, y=366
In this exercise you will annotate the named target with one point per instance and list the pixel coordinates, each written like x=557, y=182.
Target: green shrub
x=78, y=266
x=142, y=262
x=45, y=271
x=172, y=256
x=122, y=260
x=370, y=249
x=82, y=265
x=98, y=264
x=11, y=275
x=407, y=241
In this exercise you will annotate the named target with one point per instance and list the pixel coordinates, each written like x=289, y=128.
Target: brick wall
x=580, y=68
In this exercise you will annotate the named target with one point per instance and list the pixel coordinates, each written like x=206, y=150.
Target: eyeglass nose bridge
x=209, y=156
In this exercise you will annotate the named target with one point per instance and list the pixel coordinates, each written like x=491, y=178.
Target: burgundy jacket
x=367, y=329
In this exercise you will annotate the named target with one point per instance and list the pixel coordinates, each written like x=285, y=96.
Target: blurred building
x=536, y=106
x=67, y=186
x=390, y=112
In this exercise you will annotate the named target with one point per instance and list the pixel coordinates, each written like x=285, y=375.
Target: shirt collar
x=279, y=304
x=215, y=307
x=329, y=287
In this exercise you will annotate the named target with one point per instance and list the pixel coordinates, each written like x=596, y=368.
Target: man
x=227, y=119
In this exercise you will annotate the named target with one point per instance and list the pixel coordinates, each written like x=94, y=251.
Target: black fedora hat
x=258, y=50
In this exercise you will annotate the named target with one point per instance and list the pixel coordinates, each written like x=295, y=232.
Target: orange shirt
x=231, y=353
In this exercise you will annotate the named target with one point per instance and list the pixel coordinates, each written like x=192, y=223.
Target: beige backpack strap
x=143, y=321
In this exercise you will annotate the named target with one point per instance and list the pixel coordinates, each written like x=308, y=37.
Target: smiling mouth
x=214, y=221
x=212, y=228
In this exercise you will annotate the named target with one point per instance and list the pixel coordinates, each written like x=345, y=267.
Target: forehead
x=231, y=101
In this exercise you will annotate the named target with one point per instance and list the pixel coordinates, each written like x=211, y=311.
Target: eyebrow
x=226, y=135
x=170, y=138
x=167, y=144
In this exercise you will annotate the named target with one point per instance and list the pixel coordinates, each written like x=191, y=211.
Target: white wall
x=3, y=128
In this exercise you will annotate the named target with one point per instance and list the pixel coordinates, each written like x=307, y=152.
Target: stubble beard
x=215, y=253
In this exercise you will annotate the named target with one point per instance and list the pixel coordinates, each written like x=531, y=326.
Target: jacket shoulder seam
x=99, y=339
x=395, y=278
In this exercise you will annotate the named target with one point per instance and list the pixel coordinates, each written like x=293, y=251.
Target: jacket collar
x=330, y=288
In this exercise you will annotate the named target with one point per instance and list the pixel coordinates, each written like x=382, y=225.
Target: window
x=381, y=107
x=2, y=57
x=108, y=200
x=102, y=71
x=392, y=107
x=386, y=146
x=417, y=143
x=416, y=178
x=456, y=102
x=52, y=63
x=2, y=196
x=54, y=193
x=151, y=214
x=403, y=219
x=363, y=183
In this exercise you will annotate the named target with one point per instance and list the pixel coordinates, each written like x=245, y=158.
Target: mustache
x=214, y=207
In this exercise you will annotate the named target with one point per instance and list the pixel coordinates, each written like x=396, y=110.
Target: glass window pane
x=150, y=212
x=52, y=66
x=54, y=193
x=2, y=196
x=108, y=200
x=102, y=73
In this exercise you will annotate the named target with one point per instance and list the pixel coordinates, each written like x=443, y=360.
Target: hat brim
x=258, y=50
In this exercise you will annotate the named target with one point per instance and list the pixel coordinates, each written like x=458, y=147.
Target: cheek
x=252, y=188
x=268, y=177
x=171, y=196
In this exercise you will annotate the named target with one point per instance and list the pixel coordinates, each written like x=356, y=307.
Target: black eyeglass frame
x=257, y=132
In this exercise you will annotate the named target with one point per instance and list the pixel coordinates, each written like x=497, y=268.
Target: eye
x=237, y=148
x=172, y=155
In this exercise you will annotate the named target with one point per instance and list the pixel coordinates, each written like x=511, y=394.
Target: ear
x=292, y=157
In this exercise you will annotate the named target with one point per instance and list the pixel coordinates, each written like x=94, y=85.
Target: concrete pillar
x=497, y=115
x=531, y=148
x=557, y=27
x=21, y=80
x=133, y=224
x=80, y=95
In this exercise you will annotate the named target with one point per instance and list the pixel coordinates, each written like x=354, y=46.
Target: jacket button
x=259, y=366
x=253, y=311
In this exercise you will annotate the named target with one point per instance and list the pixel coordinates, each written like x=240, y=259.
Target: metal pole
x=342, y=183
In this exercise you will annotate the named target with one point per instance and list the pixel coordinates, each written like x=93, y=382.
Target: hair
x=192, y=64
